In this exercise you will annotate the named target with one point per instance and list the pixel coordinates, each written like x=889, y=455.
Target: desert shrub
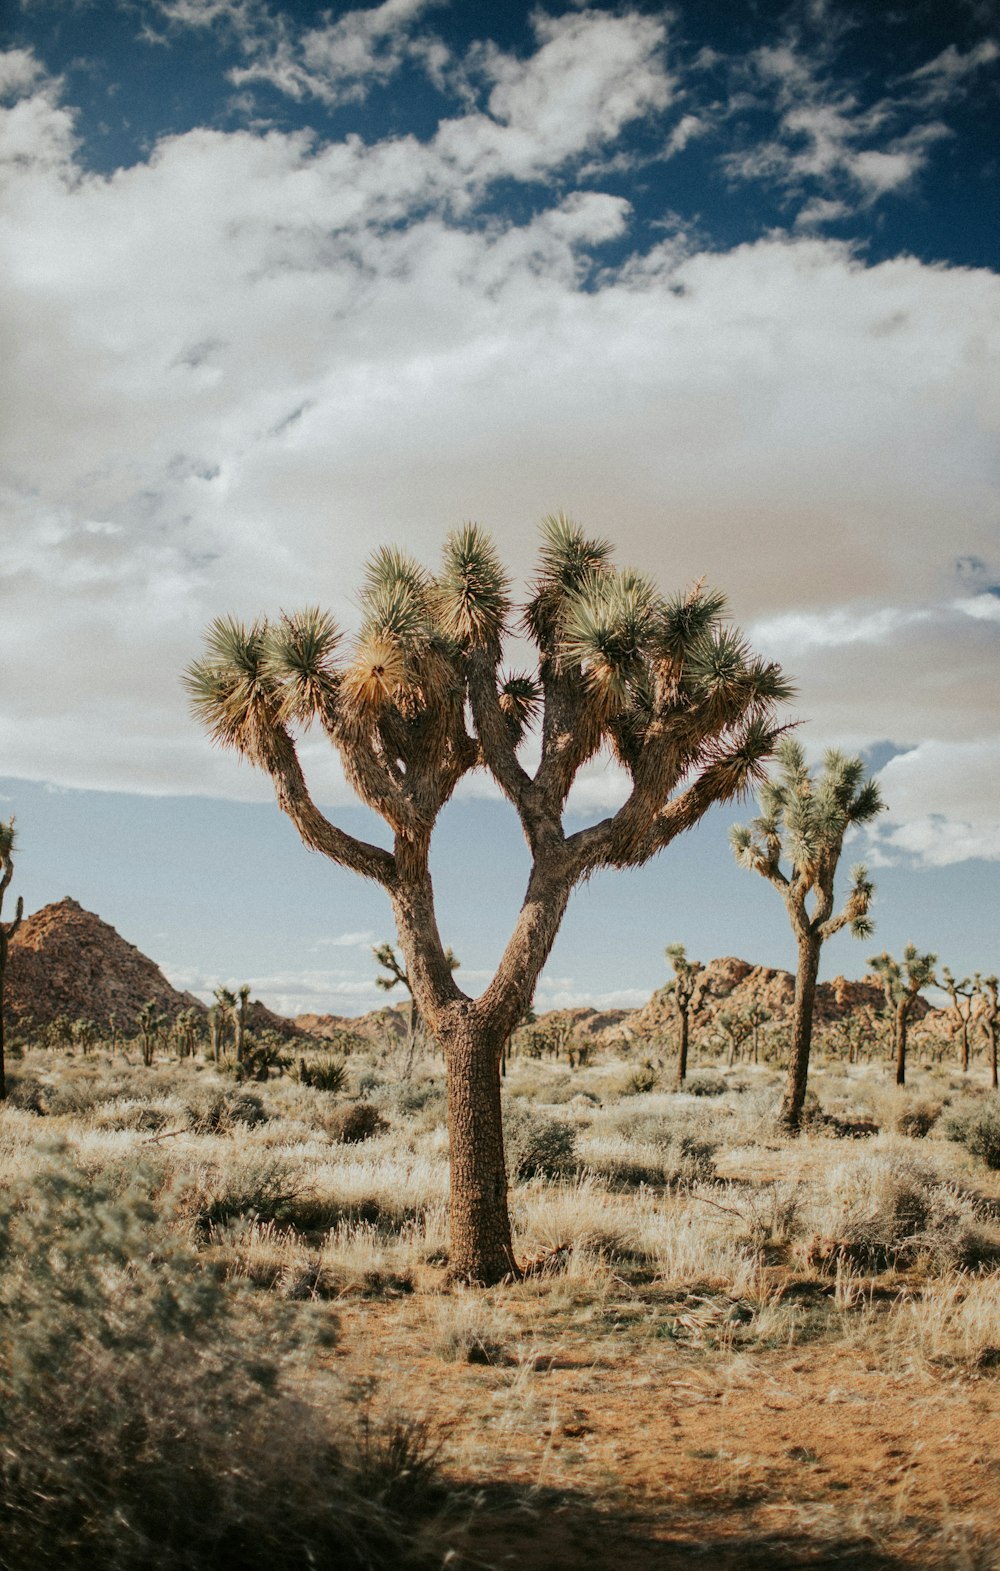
x=705, y=1085
x=27, y=1093
x=127, y=1113
x=323, y=1074
x=354, y=1124
x=261, y=1190
x=640, y=1080
x=978, y=1129
x=918, y=1120
x=217, y=1112
x=895, y=1212
x=146, y=1424
x=536, y=1146
x=663, y=1157
x=261, y=1055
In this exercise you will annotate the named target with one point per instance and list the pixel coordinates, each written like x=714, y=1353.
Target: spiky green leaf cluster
x=7, y=839
x=473, y=591
x=298, y=653
x=232, y=690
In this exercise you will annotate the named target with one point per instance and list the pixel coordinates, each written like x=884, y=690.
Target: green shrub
x=352, y=1125
x=536, y=1146
x=218, y=1112
x=323, y=1074
x=263, y=1190
x=705, y=1085
x=146, y=1425
x=978, y=1129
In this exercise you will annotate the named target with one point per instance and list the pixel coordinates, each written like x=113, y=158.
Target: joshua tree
x=805, y=820
x=989, y=1014
x=240, y=1020
x=901, y=984
x=736, y=1029
x=757, y=1015
x=149, y=1020
x=421, y=701
x=186, y=1025
x=7, y=929
x=961, y=994
x=215, y=1019
x=225, y=1001
x=388, y=960
x=683, y=989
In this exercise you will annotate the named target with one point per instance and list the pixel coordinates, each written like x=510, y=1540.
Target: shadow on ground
x=553, y=1530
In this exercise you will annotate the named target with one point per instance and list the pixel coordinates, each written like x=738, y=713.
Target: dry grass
x=693, y=1249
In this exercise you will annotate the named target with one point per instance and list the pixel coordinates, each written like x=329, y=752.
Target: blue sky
x=280, y=283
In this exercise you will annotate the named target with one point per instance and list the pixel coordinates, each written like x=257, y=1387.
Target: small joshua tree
x=804, y=818
x=757, y=1015
x=225, y=1002
x=901, y=984
x=149, y=1021
x=961, y=994
x=388, y=960
x=240, y=1021
x=422, y=700
x=7, y=930
x=736, y=1028
x=988, y=1015
x=683, y=989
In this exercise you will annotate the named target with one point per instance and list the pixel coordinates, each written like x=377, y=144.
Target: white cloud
x=942, y=802
x=236, y=367
x=338, y=61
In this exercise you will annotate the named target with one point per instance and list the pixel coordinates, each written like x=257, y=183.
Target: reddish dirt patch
x=592, y=1450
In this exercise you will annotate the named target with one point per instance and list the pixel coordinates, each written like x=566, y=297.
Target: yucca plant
x=684, y=991
x=989, y=1015
x=421, y=699
x=961, y=991
x=803, y=820
x=7, y=930
x=901, y=983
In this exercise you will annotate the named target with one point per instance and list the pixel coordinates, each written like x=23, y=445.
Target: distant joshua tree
x=225, y=1002
x=387, y=958
x=7, y=929
x=422, y=699
x=150, y=1021
x=989, y=1014
x=804, y=818
x=961, y=994
x=240, y=1021
x=901, y=984
x=684, y=991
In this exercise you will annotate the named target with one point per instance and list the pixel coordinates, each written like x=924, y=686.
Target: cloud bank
x=239, y=364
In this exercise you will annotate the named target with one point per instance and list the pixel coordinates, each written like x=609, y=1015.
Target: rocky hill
x=734, y=984
x=65, y=961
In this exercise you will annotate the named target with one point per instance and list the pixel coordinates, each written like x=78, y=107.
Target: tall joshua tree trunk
x=797, y=1080
x=902, y=1023
x=481, y=1246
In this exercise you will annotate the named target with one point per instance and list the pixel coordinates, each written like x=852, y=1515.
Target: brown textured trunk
x=481, y=1249
x=965, y=1046
x=3, y=1063
x=682, y=1050
x=902, y=1018
x=793, y=1100
x=991, y=1027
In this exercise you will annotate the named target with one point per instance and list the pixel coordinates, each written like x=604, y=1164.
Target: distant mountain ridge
x=67, y=961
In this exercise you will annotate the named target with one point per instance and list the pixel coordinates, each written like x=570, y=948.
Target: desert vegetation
x=723, y=1340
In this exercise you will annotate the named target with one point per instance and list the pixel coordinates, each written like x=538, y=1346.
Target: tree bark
x=481, y=1248
x=902, y=1018
x=991, y=1027
x=682, y=1050
x=793, y=1100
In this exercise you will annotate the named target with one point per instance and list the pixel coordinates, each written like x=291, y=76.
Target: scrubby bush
x=705, y=1085
x=978, y=1129
x=352, y=1125
x=146, y=1425
x=536, y=1146
x=261, y=1190
x=217, y=1112
x=918, y=1120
